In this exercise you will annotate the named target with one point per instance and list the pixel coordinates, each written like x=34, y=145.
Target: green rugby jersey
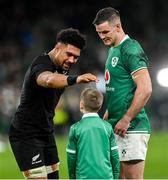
x=92, y=151
x=122, y=61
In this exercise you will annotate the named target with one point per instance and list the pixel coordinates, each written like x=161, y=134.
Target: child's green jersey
x=92, y=151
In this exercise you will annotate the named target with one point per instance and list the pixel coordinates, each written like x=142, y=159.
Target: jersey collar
x=126, y=37
x=90, y=115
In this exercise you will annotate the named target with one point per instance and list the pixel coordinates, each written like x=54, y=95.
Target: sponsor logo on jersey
x=114, y=61
x=107, y=76
x=35, y=159
x=112, y=89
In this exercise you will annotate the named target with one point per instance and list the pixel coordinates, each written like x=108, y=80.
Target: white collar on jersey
x=126, y=37
x=90, y=115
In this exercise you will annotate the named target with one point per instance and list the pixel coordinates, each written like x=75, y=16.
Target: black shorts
x=34, y=152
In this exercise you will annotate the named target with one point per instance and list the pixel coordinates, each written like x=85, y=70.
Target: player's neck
x=51, y=54
x=119, y=38
x=87, y=112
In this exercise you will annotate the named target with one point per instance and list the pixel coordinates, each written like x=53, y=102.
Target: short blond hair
x=92, y=99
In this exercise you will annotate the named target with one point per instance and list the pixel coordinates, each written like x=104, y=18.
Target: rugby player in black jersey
x=31, y=133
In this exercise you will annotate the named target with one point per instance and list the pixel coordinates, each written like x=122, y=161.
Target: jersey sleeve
x=41, y=64
x=71, y=154
x=114, y=157
x=135, y=58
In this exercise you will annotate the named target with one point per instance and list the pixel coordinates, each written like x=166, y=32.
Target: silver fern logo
x=34, y=159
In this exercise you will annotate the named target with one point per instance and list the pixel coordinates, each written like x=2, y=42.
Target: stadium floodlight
x=162, y=77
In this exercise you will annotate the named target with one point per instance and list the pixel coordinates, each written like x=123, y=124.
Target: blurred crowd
x=29, y=28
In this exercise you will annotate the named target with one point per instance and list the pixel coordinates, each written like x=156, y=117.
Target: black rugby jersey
x=35, y=112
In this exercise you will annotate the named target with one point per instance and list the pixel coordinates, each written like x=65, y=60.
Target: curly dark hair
x=73, y=37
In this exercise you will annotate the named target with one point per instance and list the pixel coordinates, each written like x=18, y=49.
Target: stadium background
x=28, y=28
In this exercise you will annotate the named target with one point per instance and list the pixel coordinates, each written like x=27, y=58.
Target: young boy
x=92, y=151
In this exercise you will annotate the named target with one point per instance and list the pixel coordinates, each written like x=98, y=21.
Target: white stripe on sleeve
x=115, y=147
x=138, y=70
x=70, y=151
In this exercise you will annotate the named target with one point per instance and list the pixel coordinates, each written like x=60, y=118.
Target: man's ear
x=118, y=26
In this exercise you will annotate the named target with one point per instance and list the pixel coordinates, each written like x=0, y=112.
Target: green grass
x=156, y=162
x=10, y=170
x=157, y=157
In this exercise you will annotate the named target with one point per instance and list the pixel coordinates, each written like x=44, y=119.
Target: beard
x=66, y=65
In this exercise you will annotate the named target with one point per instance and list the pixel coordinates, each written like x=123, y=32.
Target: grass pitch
x=156, y=162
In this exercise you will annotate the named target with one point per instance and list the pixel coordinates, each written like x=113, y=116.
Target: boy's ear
x=81, y=106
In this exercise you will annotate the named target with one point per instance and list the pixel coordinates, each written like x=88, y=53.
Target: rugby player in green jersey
x=92, y=152
x=128, y=88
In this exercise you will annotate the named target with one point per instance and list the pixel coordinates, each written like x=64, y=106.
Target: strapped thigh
x=39, y=172
x=52, y=168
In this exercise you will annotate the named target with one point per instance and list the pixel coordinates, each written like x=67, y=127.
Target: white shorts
x=132, y=146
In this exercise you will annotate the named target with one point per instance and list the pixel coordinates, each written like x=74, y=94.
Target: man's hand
x=85, y=78
x=122, y=126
